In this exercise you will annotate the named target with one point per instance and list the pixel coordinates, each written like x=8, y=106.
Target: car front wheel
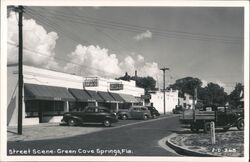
x=107, y=123
x=72, y=122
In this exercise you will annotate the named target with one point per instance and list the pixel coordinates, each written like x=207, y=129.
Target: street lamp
x=164, y=99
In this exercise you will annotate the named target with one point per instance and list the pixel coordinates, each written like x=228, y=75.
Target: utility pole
x=19, y=9
x=195, y=97
x=164, y=89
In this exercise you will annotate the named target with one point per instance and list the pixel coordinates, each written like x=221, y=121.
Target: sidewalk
x=49, y=131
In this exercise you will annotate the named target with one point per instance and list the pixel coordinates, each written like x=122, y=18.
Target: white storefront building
x=48, y=94
x=171, y=100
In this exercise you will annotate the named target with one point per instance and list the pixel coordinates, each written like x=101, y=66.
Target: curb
x=185, y=151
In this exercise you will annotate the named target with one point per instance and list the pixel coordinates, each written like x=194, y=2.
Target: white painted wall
x=171, y=100
x=188, y=100
x=40, y=76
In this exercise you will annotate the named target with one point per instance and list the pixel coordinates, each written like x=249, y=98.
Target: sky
x=202, y=42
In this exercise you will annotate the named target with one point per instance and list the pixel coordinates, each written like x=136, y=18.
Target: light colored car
x=134, y=112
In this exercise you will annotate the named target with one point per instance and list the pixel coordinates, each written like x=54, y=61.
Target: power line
x=55, y=26
x=136, y=29
x=142, y=28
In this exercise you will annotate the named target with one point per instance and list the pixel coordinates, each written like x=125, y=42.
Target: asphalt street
x=131, y=140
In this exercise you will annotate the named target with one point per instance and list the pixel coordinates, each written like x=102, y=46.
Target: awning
x=95, y=95
x=128, y=98
x=43, y=92
x=117, y=97
x=107, y=97
x=81, y=95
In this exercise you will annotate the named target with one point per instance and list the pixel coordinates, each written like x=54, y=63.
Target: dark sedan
x=90, y=115
x=154, y=112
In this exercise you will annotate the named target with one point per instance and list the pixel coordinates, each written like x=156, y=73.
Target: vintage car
x=154, y=112
x=178, y=109
x=90, y=115
x=222, y=117
x=134, y=112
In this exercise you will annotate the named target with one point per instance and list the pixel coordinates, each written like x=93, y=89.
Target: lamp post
x=164, y=99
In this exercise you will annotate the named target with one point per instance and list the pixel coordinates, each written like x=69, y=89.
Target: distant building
x=171, y=100
x=48, y=94
x=186, y=101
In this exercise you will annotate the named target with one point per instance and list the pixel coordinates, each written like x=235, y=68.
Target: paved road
x=132, y=140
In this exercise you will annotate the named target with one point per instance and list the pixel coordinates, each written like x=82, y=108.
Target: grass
x=230, y=143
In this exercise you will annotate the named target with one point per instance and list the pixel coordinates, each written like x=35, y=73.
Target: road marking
x=140, y=122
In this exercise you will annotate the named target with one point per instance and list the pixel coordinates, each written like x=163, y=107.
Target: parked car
x=90, y=115
x=134, y=112
x=153, y=111
x=221, y=116
x=178, y=109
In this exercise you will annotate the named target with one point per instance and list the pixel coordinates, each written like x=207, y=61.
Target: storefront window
x=78, y=106
x=47, y=108
x=31, y=108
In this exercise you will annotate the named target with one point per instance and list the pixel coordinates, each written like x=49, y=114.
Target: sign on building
x=116, y=86
x=90, y=82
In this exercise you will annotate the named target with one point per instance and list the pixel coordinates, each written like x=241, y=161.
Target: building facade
x=186, y=101
x=48, y=94
x=171, y=100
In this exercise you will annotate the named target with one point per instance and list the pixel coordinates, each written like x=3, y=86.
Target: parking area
x=59, y=130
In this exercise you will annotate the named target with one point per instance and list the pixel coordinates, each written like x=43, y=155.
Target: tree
x=186, y=85
x=148, y=83
x=213, y=94
x=236, y=95
x=126, y=77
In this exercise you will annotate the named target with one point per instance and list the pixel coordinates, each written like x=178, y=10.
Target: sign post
x=212, y=132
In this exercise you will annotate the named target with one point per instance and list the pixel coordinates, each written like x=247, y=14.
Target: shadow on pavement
x=12, y=132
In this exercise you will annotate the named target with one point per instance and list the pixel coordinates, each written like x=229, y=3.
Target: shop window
x=46, y=108
x=51, y=108
x=31, y=108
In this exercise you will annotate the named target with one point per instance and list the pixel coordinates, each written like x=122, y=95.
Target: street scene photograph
x=126, y=81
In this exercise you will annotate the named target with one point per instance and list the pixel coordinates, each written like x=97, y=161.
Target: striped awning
x=44, y=92
x=129, y=98
x=117, y=97
x=107, y=97
x=95, y=95
x=81, y=95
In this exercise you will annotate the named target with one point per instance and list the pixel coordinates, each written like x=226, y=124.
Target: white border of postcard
x=161, y=3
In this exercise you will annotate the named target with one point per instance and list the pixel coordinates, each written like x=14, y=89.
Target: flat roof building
x=48, y=94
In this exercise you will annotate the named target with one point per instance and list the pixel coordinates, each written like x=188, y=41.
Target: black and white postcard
x=124, y=80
